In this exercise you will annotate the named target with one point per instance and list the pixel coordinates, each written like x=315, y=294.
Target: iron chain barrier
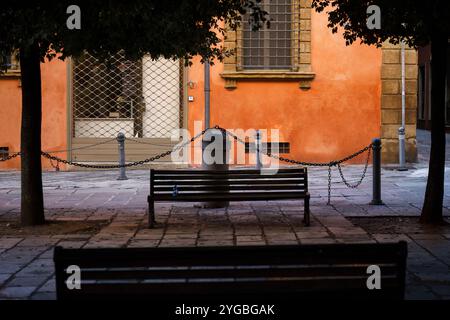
x=10, y=157
x=127, y=165
x=50, y=156
x=330, y=165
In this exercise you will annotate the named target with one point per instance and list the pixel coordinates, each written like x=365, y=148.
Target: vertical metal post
x=121, y=141
x=401, y=130
x=402, y=149
x=207, y=95
x=376, y=199
x=258, y=150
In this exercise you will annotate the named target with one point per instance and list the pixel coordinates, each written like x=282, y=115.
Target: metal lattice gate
x=142, y=99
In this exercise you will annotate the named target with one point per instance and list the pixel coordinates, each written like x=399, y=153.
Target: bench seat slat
x=318, y=271
x=257, y=187
x=231, y=171
x=233, y=256
x=159, y=177
x=224, y=196
x=307, y=289
x=246, y=182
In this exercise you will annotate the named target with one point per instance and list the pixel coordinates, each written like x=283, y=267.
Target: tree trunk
x=434, y=196
x=32, y=212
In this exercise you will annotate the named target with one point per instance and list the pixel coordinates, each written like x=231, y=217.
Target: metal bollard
x=376, y=147
x=402, y=150
x=258, y=150
x=121, y=141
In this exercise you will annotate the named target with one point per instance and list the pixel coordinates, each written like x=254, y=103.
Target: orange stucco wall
x=339, y=115
x=54, y=105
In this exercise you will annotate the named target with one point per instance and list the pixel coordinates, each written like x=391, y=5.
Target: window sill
x=231, y=78
x=10, y=75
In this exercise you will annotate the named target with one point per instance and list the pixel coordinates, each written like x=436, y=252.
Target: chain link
x=148, y=143
x=12, y=156
x=82, y=148
x=357, y=184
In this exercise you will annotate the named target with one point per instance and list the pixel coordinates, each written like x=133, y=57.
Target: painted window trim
x=301, y=66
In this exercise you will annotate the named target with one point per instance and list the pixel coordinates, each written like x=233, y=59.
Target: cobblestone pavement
x=26, y=266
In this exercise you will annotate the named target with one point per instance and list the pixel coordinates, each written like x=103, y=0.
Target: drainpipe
x=402, y=129
x=207, y=95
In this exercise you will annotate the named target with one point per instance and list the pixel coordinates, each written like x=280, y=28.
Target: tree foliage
x=169, y=29
x=413, y=21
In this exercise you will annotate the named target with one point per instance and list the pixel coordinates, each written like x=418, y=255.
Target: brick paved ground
x=26, y=267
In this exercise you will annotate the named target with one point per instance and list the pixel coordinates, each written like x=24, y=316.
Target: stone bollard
x=218, y=162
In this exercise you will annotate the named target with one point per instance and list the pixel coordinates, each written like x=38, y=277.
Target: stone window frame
x=301, y=43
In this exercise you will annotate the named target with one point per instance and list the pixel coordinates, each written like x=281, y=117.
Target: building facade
x=327, y=99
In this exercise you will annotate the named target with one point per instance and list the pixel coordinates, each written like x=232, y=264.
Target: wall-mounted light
x=192, y=84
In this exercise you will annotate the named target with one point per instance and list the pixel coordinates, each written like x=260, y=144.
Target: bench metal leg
x=307, y=220
x=151, y=214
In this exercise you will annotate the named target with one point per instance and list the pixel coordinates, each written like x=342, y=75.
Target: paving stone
x=318, y=241
x=4, y=277
x=44, y=296
x=214, y=243
x=249, y=238
x=426, y=236
x=143, y=243
x=72, y=244
x=419, y=293
x=16, y=292
x=48, y=287
x=8, y=267
x=8, y=243
x=383, y=238
x=279, y=242
x=178, y=243
x=28, y=281
x=251, y=243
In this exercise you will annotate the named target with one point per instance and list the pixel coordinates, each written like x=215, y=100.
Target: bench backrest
x=188, y=184
x=309, y=271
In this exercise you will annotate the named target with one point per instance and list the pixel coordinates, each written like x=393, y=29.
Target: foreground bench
x=232, y=185
x=249, y=273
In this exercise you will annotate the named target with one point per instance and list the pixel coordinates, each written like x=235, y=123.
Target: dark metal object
x=263, y=273
x=121, y=141
x=376, y=200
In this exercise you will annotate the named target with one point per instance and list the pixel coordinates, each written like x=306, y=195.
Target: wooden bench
x=232, y=185
x=270, y=273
